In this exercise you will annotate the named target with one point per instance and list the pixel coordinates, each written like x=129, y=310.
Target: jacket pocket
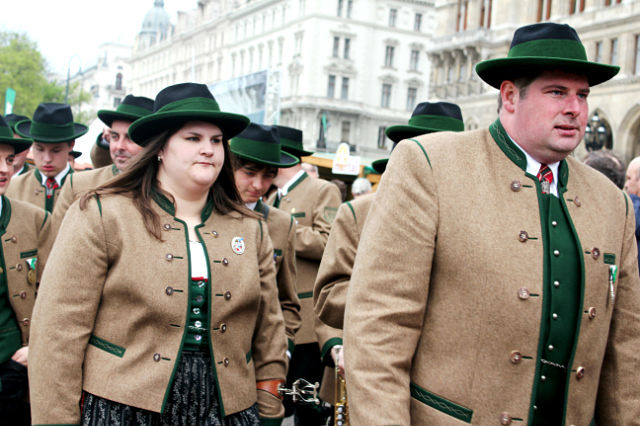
x=441, y=404
x=106, y=346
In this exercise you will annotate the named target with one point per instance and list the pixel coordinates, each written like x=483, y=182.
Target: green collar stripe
x=437, y=122
x=255, y=149
x=297, y=182
x=548, y=49
x=5, y=216
x=197, y=104
x=133, y=110
x=115, y=170
x=166, y=205
x=52, y=130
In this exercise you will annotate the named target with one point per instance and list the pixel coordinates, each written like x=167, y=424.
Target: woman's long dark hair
x=140, y=179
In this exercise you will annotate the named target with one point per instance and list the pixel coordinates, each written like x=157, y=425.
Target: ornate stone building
x=470, y=31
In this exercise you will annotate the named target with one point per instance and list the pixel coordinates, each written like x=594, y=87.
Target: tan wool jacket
x=115, y=328
x=438, y=326
x=28, y=187
x=282, y=230
x=313, y=203
x=25, y=229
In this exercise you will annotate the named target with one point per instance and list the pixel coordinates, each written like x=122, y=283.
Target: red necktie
x=51, y=184
x=545, y=176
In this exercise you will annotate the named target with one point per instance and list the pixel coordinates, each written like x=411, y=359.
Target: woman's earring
x=159, y=158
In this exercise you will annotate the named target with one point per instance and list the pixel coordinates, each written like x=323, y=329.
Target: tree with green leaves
x=23, y=68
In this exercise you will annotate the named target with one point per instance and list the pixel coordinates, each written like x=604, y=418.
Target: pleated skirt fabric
x=192, y=402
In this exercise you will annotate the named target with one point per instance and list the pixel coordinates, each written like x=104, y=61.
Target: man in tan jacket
x=313, y=203
x=489, y=287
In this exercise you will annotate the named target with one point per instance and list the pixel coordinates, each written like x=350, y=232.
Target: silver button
x=556, y=253
x=556, y=283
x=200, y=284
x=523, y=293
x=543, y=378
x=551, y=347
x=197, y=337
x=535, y=407
x=196, y=311
x=198, y=324
x=555, y=316
x=554, y=223
x=199, y=298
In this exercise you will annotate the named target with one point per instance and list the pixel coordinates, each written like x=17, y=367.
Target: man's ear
x=509, y=94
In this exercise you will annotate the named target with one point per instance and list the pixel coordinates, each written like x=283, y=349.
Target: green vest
x=10, y=336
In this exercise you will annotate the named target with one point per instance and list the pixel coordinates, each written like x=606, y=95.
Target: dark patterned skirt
x=192, y=402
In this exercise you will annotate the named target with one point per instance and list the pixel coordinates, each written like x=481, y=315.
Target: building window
x=462, y=15
x=598, y=53
x=116, y=102
x=336, y=47
x=340, y=7
x=345, y=134
x=412, y=94
x=415, y=60
x=385, y=99
x=347, y=46
x=544, y=10
x=576, y=6
x=119, y=82
x=388, y=56
x=485, y=13
x=393, y=13
x=613, y=59
x=349, y=8
x=382, y=137
x=344, y=93
x=331, y=86
x=636, y=62
x=417, y=22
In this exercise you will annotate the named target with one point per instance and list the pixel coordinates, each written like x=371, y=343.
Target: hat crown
x=137, y=101
x=183, y=95
x=261, y=143
x=445, y=109
x=290, y=133
x=261, y=133
x=53, y=113
x=12, y=119
x=5, y=130
x=544, y=30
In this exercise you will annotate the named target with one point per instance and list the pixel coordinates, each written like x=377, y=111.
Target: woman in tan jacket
x=159, y=305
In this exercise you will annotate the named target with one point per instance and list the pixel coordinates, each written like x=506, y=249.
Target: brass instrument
x=301, y=391
x=341, y=404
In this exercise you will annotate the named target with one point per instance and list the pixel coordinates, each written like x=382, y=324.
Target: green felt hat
x=544, y=46
x=52, y=123
x=291, y=140
x=131, y=108
x=261, y=144
x=13, y=119
x=181, y=103
x=7, y=138
x=75, y=154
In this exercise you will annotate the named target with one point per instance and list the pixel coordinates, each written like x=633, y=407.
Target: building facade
x=347, y=68
x=470, y=31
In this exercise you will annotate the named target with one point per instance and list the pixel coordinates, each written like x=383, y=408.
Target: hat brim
x=297, y=152
x=380, y=165
x=18, y=144
x=401, y=132
x=143, y=129
x=108, y=117
x=23, y=128
x=286, y=160
x=495, y=71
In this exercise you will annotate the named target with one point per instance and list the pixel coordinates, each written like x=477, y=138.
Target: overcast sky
x=66, y=28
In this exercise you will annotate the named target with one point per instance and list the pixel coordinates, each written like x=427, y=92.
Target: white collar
x=251, y=206
x=58, y=177
x=20, y=171
x=533, y=167
x=285, y=189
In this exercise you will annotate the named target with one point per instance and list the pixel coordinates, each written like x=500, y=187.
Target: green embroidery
x=29, y=253
x=305, y=295
x=610, y=258
x=441, y=404
x=330, y=213
x=299, y=214
x=107, y=346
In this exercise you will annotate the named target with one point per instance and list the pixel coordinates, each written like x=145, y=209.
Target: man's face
x=550, y=120
x=121, y=148
x=253, y=181
x=632, y=182
x=6, y=166
x=51, y=158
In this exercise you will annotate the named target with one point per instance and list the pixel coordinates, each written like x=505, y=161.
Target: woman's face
x=192, y=158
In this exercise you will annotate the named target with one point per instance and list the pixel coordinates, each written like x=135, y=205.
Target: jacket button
x=1, y=270
x=523, y=236
x=25, y=322
x=227, y=295
x=215, y=234
x=156, y=357
x=167, y=226
x=169, y=290
x=595, y=253
x=225, y=362
x=516, y=186
x=577, y=202
x=592, y=312
x=23, y=295
x=225, y=261
x=505, y=419
x=554, y=223
x=580, y=373
x=556, y=253
x=523, y=293
x=516, y=357
x=19, y=267
x=14, y=239
x=169, y=257
x=223, y=328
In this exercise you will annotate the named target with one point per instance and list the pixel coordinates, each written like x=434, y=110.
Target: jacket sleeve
x=269, y=341
x=382, y=326
x=64, y=316
x=334, y=273
x=310, y=240
x=43, y=225
x=289, y=301
x=617, y=402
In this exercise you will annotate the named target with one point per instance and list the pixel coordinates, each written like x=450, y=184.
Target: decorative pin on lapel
x=613, y=274
x=237, y=245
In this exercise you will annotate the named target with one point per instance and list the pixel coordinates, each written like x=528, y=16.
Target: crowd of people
x=200, y=271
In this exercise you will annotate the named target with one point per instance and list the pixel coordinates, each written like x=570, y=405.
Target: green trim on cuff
x=107, y=346
x=290, y=346
x=326, y=348
x=441, y=404
x=270, y=421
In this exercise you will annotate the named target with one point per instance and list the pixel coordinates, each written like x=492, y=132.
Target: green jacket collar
x=38, y=176
x=262, y=208
x=297, y=182
x=165, y=204
x=514, y=154
x=5, y=215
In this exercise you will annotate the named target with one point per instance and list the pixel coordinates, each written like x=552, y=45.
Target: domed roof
x=156, y=20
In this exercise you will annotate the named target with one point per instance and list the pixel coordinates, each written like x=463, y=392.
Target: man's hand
x=337, y=353
x=21, y=356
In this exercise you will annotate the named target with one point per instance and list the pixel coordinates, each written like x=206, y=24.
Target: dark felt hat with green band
x=544, y=46
x=13, y=119
x=7, y=138
x=427, y=117
x=131, y=108
x=52, y=123
x=291, y=140
x=178, y=104
x=261, y=144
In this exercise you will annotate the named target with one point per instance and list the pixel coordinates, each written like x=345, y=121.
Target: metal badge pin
x=545, y=186
x=237, y=245
x=613, y=272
